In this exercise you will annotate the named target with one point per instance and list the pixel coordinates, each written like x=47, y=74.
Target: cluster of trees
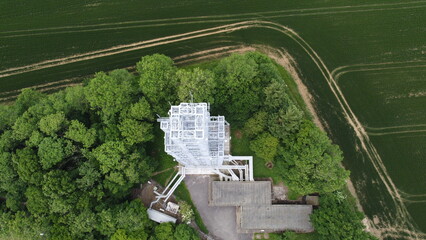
x=251, y=93
x=68, y=160
x=339, y=219
x=167, y=231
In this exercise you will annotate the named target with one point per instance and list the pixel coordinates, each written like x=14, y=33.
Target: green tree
x=90, y=175
x=238, y=86
x=131, y=217
x=276, y=97
x=241, y=79
x=36, y=201
x=58, y=187
x=158, y=80
x=109, y=94
x=311, y=163
x=185, y=232
x=35, y=139
x=256, y=124
x=8, y=175
x=265, y=147
x=53, y=150
x=338, y=220
x=121, y=234
x=200, y=83
x=79, y=133
x=21, y=226
x=83, y=223
x=7, y=141
x=26, y=99
x=13, y=201
x=24, y=127
x=8, y=115
x=164, y=231
x=285, y=122
x=27, y=165
x=141, y=110
x=135, y=132
x=186, y=211
x=76, y=99
x=52, y=123
x=120, y=168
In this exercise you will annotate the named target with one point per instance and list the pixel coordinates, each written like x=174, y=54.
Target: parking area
x=220, y=221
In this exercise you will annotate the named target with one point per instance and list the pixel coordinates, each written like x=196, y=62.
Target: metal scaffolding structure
x=200, y=143
x=193, y=137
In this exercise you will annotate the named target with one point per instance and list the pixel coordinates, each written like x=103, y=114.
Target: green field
x=363, y=62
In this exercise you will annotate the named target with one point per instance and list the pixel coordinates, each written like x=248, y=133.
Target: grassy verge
x=240, y=147
x=163, y=177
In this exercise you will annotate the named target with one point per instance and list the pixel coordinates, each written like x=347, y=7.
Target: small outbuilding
x=160, y=217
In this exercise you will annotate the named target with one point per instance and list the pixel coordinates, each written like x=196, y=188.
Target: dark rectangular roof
x=240, y=193
x=275, y=217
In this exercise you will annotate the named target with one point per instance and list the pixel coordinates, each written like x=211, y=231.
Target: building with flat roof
x=240, y=193
x=275, y=217
x=254, y=208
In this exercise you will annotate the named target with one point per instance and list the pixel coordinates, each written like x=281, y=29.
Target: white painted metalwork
x=200, y=143
x=193, y=137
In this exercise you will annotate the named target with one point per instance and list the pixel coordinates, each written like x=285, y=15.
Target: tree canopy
x=69, y=157
x=336, y=219
x=201, y=84
x=310, y=163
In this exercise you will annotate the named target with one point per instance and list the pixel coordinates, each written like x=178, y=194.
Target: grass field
x=363, y=63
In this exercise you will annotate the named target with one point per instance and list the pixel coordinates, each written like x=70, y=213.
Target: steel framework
x=200, y=143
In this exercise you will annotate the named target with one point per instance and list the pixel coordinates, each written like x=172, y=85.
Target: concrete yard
x=220, y=221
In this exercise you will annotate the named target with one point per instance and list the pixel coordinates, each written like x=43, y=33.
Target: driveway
x=220, y=221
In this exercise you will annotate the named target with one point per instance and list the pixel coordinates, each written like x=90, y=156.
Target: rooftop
x=240, y=193
x=275, y=217
x=255, y=211
x=159, y=216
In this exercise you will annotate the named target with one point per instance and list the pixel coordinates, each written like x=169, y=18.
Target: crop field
x=363, y=63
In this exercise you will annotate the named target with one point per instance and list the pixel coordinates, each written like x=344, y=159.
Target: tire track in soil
x=210, y=18
x=338, y=72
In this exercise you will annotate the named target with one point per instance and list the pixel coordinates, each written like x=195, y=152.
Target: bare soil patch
x=238, y=134
x=269, y=165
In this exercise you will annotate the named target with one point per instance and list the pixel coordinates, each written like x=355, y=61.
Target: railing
x=173, y=184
